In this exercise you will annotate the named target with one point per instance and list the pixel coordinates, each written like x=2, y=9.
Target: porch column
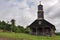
x=36, y=31
x=31, y=31
x=43, y=30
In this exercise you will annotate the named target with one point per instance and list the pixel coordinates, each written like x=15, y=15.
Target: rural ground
x=22, y=36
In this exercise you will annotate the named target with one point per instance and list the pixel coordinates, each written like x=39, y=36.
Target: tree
x=13, y=22
x=21, y=29
x=27, y=29
x=8, y=27
x=3, y=25
x=13, y=25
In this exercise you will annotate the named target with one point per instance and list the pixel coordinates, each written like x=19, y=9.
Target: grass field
x=22, y=36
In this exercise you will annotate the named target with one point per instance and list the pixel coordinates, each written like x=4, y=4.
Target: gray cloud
x=25, y=11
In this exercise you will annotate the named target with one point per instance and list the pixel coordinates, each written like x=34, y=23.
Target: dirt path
x=6, y=39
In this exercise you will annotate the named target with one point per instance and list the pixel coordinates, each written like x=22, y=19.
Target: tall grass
x=22, y=36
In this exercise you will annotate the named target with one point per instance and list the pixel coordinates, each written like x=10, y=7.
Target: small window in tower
x=39, y=22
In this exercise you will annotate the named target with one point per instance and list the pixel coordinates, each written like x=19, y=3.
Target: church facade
x=41, y=26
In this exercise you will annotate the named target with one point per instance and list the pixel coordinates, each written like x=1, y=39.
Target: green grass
x=22, y=36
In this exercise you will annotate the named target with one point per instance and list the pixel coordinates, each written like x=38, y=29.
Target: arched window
x=39, y=22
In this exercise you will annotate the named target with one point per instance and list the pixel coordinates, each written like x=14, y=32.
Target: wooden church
x=40, y=26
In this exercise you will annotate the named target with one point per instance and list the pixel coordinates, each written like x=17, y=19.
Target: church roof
x=42, y=23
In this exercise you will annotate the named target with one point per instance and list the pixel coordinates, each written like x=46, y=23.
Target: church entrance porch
x=40, y=31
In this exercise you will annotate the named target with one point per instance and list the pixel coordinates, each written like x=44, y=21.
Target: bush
x=27, y=30
x=57, y=33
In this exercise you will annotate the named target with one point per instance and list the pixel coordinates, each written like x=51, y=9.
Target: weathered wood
x=40, y=26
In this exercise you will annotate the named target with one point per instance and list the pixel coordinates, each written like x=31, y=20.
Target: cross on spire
x=40, y=2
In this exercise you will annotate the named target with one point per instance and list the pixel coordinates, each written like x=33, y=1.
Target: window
x=39, y=22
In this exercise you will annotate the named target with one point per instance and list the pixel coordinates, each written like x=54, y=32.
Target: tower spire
x=40, y=11
x=40, y=2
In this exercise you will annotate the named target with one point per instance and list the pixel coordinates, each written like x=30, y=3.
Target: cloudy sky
x=25, y=11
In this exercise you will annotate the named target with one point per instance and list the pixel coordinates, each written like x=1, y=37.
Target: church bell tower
x=40, y=11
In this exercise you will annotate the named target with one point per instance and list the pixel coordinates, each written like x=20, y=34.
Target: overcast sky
x=25, y=11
